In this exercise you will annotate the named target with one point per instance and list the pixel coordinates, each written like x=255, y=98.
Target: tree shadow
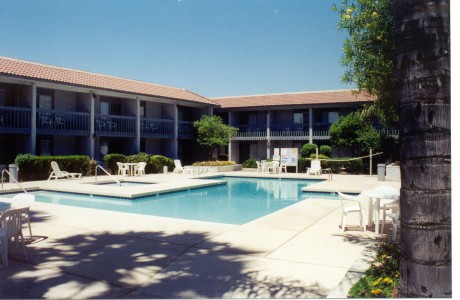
x=145, y=264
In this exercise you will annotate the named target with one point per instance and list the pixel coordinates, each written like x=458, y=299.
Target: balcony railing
x=321, y=131
x=121, y=126
x=15, y=119
x=157, y=128
x=251, y=132
x=62, y=122
x=289, y=131
x=185, y=129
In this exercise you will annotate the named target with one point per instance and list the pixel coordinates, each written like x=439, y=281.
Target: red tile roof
x=35, y=71
x=292, y=99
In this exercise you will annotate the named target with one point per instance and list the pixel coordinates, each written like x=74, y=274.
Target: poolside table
x=374, y=207
x=131, y=168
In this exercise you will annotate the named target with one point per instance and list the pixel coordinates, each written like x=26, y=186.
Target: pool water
x=239, y=201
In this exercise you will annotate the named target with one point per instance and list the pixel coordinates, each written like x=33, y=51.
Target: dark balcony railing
x=159, y=128
x=321, y=131
x=108, y=125
x=251, y=132
x=15, y=119
x=185, y=129
x=62, y=122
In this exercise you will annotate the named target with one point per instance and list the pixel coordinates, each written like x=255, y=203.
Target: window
x=142, y=111
x=110, y=107
x=105, y=108
x=298, y=118
x=45, y=102
x=333, y=116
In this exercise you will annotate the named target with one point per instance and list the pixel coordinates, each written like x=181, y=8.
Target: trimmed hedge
x=250, y=163
x=325, y=150
x=111, y=162
x=33, y=167
x=157, y=162
x=216, y=163
x=351, y=166
x=308, y=149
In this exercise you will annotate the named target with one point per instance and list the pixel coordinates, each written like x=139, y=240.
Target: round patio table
x=378, y=194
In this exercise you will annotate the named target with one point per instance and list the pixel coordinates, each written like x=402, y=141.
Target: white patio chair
x=355, y=207
x=273, y=167
x=140, y=169
x=260, y=167
x=24, y=200
x=11, y=229
x=315, y=168
x=122, y=169
x=282, y=167
x=391, y=210
x=57, y=173
x=181, y=170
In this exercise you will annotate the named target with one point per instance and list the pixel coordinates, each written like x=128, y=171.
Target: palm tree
x=422, y=48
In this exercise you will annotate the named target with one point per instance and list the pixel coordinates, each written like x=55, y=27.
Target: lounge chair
x=356, y=207
x=57, y=173
x=260, y=167
x=11, y=221
x=315, y=168
x=182, y=170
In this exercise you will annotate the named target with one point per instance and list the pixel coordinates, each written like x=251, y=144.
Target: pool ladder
x=95, y=174
x=11, y=177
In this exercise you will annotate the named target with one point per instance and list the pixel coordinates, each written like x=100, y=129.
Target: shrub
x=111, y=162
x=250, y=163
x=303, y=163
x=354, y=166
x=307, y=150
x=141, y=157
x=157, y=163
x=325, y=150
x=33, y=167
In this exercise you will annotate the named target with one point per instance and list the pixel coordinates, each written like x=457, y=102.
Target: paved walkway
x=297, y=252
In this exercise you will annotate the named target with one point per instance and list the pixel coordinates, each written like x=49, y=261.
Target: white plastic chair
x=11, y=222
x=57, y=173
x=282, y=167
x=391, y=210
x=122, y=169
x=315, y=168
x=273, y=167
x=140, y=168
x=355, y=207
x=24, y=200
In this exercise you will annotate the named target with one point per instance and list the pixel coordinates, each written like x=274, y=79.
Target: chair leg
x=344, y=219
x=4, y=244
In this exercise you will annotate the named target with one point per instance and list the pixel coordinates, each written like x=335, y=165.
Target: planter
x=393, y=173
x=212, y=169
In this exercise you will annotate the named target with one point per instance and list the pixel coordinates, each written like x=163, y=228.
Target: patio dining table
x=374, y=206
x=131, y=167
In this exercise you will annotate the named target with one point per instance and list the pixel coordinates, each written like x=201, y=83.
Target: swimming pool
x=239, y=201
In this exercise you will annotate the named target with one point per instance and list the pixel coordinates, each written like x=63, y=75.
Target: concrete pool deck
x=297, y=252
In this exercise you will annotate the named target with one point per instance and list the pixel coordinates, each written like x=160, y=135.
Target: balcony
x=282, y=131
x=119, y=126
x=62, y=123
x=15, y=119
x=289, y=131
x=157, y=128
x=185, y=129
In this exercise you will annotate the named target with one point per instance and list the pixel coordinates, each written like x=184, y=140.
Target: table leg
x=377, y=215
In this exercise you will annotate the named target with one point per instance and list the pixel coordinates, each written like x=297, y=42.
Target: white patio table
x=131, y=168
x=374, y=207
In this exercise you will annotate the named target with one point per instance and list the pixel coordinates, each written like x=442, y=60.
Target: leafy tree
x=354, y=132
x=422, y=48
x=368, y=54
x=213, y=133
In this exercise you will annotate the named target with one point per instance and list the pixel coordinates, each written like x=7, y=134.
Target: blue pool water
x=239, y=201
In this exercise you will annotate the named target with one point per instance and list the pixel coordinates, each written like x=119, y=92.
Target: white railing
x=14, y=179
x=95, y=175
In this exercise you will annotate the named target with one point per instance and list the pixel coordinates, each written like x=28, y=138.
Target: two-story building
x=286, y=120
x=48, y=110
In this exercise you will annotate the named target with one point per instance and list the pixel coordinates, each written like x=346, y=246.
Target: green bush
x=303, y=163
x=325, y=150
x=320, y=156
x=111, y=162
x=141, y=157
x=250, y=163
x=33, y=167
x=308, y=149
x=354, y=166
x=157, y=163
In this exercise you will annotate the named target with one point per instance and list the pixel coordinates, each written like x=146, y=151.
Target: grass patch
x=382, y=278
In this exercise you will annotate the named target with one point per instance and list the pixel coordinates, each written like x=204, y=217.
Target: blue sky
x=211, y=47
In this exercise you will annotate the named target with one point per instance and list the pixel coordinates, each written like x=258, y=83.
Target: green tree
x=422, y=48
x=213, y=133
x=354, y=132
x=368, y=55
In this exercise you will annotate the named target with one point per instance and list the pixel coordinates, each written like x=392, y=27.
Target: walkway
x=298, y=252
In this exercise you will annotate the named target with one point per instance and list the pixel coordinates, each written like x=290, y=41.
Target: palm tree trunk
x=422, y=48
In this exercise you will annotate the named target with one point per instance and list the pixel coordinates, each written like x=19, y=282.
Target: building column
x=230, y=122
x=92, y=108
x=138, y=125
x=33, y=119
x=176, y=132
x=268, y=133
x=310, y=125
